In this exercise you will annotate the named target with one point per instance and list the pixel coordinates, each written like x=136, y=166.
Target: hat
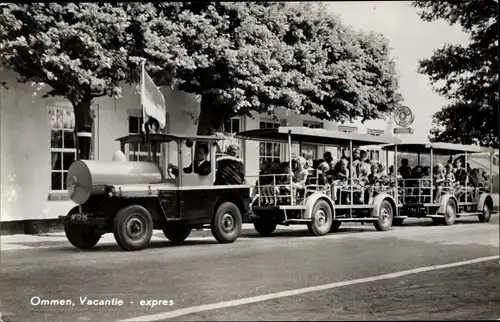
x=233, y=150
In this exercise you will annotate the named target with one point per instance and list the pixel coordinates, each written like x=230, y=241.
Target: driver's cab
x=184, y=161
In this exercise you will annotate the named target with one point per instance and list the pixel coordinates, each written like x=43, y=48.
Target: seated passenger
x=373, y=180
x=460, y=173
x=300, y=174
x=439, y=178
x=364, y=163
x=405, y=170
x=340, y=178
x=322, y=171
x=477, y=181
x=230, y=169
x=449, y=177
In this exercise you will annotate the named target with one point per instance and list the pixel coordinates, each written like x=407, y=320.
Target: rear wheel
x=79, y=235
x=226, y=223
x=176, y=233
x=450, y=213
x=265, y=226
x=133, y=228
x=321, y=219
x=385, y=216
x=335, y=225
x=486, y=214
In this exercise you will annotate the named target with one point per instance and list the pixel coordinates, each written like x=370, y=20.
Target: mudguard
x=444, y=201
x=378, y=200
x=483, y=198
x=311, y=201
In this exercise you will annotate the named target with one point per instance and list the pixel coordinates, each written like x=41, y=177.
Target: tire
x=79, y=235
x=226, y=223
x=335, y=225
x=385, y=217
x=264, y=226
x=397, y=221
x=485, y=216
x=133, y=228
x=321, y=219
x=176, y=233
x=450, y=213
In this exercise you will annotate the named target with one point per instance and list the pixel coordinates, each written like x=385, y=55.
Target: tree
x=82, y=51
x=467, y=75
x=239, y=57
x=243, y=57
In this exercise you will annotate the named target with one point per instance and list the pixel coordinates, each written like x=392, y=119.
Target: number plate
x=79, y=217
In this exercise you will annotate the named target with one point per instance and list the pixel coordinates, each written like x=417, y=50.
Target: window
x=375, y=132
x=62, y=144
x=138, y=151
x=269, y=151
x=313, y=125
x=232, y=126
x=229, y=128
x=374, y=155
x=349, y=129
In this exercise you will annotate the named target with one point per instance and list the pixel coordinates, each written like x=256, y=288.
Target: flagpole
x=143, y=77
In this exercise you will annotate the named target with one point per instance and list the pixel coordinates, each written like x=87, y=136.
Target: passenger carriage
x=420, y=198
x=131, y=199
x=315, y=205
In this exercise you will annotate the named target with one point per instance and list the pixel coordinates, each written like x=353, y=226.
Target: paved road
x=204, y=272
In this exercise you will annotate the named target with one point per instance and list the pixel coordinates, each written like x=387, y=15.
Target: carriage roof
x=304, y=134
x=163, y=138
x=437, y=147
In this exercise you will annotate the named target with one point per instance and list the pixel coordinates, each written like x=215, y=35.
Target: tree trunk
x=211, y=117
x=83, y=128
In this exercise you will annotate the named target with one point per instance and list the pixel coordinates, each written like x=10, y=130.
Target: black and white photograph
x=249, y=161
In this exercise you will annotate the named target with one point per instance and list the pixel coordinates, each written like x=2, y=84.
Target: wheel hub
x=321, y=217
x=134, y=227
x=384, y=215
x=227, y=222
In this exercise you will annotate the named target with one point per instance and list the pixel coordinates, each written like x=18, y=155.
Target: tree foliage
x=238, y=56
x=467, y=75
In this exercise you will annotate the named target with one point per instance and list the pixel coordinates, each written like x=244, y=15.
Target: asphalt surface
x=204, y=272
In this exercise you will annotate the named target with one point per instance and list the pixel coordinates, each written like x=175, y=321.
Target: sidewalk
x=20, y=241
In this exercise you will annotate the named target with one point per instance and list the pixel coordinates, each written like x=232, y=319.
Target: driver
x=201, y=165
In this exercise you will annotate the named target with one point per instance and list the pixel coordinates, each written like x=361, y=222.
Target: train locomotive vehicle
x=131, y=199
x=315, y=206
x=420, y=197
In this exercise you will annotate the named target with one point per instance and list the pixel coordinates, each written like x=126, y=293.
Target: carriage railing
x=358, y=191
x=424, y=190
x=267, y=192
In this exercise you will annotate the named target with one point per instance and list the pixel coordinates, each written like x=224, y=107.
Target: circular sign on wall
x=403, y=116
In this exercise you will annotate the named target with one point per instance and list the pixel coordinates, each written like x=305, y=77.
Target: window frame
x=61, y=194
x=347, y=128
x=313, y=124
x=276, y=124
x=138, y=154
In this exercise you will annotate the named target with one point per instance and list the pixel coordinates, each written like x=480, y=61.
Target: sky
x=411, y=39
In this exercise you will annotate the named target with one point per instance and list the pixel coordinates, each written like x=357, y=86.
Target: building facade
x=37, y=145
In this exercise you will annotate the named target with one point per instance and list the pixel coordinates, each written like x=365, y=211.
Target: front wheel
x=485, y=216
x=384, y=220
x=321, y=219
x=78, y=235
x=133, y=228
x=176, y=233
x=227, y=223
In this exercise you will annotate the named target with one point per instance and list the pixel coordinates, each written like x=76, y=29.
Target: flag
x=152, y=101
